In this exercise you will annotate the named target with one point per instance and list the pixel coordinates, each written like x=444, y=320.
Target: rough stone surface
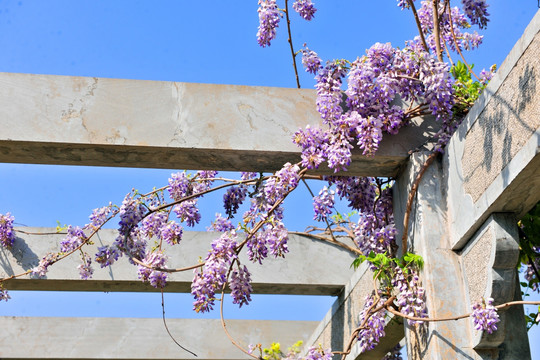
x=117, y=338
x=476, y=262
x=505, y=125
x=289, y=275
x=492, y=163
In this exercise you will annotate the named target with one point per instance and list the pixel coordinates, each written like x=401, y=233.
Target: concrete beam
x=121, y=338
x=337, y=326
x=492, y=162
x=324, y=274
x=66, y=120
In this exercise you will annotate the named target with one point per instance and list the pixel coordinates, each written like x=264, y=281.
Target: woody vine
x=357, y=103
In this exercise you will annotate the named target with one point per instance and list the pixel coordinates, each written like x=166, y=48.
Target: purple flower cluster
x=476, y=11
x=233, y=198
x=188, y=212
x=98, y=217
x=171, y=232
x=107, y=255
x=4, y=295
x=269, y=17
x=85, y=269
x=485, y=316
x=213, y=275
x=305, y=8
x=329, y=80
x=152, y=224
x=271, y=239
x=74, y=238
x=449, y=29
x=221, y=224
x=130, y=213
x=179, y=186
x=318, y=353
x=486, y=75
x=411, y=297
x=7, y=236
x=240, y=285
x=310, y=60
x=323, y=204
x=154, y=260
x=44, y=263
x=370, y=335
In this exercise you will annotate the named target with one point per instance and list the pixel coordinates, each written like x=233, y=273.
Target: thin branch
x=437, y=30
x=457, y=46
x=498, y=307
x=419, y=25
x=328, y=240
x=414, y=188
x=167, y=328
x=291, y=43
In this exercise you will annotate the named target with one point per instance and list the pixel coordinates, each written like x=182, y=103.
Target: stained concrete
x=129, y=338
x=326, y=273
x=49, y=119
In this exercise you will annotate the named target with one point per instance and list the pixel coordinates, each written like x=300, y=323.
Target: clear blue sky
x=188, y=41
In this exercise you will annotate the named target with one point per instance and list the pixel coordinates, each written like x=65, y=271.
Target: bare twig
x=419, y=25
x=329, y=240
x=437, y=30
x=457, y=46
x=167, y=328
x=291, y=43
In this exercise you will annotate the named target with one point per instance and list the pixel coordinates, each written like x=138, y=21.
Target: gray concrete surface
x=335, y=329
x=492, y=162
x=49, y=119
x=326, y=273
x=128, y=338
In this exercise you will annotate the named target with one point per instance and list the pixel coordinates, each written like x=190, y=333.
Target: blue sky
x=187, y=41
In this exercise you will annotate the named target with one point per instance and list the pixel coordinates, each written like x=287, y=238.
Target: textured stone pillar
x=485, y=268
x=442, y=276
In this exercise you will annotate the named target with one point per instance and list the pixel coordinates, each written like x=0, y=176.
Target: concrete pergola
x=462, y=223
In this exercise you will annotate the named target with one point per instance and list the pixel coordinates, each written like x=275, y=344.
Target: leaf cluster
x=466, y=89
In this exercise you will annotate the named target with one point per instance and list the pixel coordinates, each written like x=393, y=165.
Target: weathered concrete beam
x=326, y=272
x=493, y=161
x=335, y=329
x=125, y=338
x=66, y=120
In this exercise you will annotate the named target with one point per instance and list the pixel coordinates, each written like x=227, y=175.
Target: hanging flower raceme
x=323, y=204
x=213, y=275
x=305, y=8
x=107, y=255
x=153, y=260
x=310, y=60
x=4, y=295
x=171, y=232
x=7, y=235
x=485, y=316
x=44, y=263
x=85, y=269
x=411, y=296
x=99, y=216
x=240, y=285
x=476, y=11
x=373, y=330
x=269, y=17
x=74, y=238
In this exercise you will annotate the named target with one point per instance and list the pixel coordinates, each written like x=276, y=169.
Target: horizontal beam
x=310, y=268
x=124, y=338
x=66, y=120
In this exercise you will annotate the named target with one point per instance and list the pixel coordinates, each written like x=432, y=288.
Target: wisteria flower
x=7, y=236
x=485, y=316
